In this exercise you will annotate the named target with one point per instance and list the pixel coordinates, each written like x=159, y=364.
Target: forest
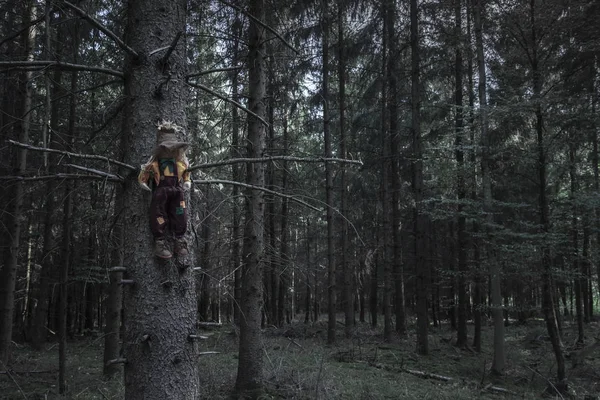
x=389, y=199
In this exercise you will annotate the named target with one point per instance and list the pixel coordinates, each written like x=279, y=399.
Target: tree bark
x=544, y=209
x=394, y=172
x=421, y=264
x=8, y=274
x=498, y=363
x=161, y=360
x=331, y=284
x=284, y=249
x=249, y=375
x=462, y=338
x=577, y=262
x=386, y=201
x=347, y=269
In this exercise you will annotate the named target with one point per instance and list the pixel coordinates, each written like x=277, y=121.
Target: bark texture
x=160, y=307
x=249, y=375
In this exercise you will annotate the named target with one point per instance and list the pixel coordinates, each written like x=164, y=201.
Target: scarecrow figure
x=165, y=175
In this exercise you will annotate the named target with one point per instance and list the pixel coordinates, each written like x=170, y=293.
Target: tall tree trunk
x=236, y=175
x=577, y=262
x=161, y=360
x=331, y=285
x=462, y=338
x=8, y=274
x=477, y=296
x=66, y=254
x=394, y=173
x=347, y=269
x=421, y=263
x=249, y=375
x=205, y=291
x=498, y=363
x=544, y=209
x=385, y=184
x=284, y=249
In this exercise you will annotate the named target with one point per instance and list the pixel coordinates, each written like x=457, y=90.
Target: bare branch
x=211, y=71
x=246, y=185
x=20, y=31
x=273, y=158
x=75, y=155
x=235, y=103
x=103, y=29
x=58, y=64
x=57, y=176
x=171, y=48
x=97, y=172
x=267, y=27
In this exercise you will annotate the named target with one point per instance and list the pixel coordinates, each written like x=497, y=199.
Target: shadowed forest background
x=390, y=199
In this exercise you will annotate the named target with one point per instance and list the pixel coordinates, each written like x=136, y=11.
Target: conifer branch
x=246, y=185
x=103, y=29
x=58, y=176
x=258, y=21
x=274, y=158
x=235, y=103
x=75, y=155
x=97, y=172
x=170, y=49
x=58, y=64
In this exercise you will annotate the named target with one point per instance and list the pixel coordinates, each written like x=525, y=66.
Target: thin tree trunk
x=8, y=274
x=236, y=175
x=577, y=262
x=498, y=363
x=385, y=188
x=249, y=375
x=66, y=254
x=421, y=264
x=547, y=297
x=462, y=338
x=284, y=249
x=347, y=272
x=394, y=172
x=331, y=285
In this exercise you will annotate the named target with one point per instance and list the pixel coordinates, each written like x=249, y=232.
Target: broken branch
x=235, y=103
x=165, y=58
x=70, y=154
x=246, y=185
x=59, y=64
x=56, y=176
x=273, y=158
x=97, y=172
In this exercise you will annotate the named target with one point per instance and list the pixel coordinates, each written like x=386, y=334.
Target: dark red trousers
x=168, y=212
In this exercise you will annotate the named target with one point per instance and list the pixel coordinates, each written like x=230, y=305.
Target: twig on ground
x=13, y=379
x=548, y=381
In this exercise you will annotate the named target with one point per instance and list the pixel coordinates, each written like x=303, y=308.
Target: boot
x=181, y=247
x=161, y=250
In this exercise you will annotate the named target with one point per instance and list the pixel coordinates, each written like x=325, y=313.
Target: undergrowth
x=298, y=365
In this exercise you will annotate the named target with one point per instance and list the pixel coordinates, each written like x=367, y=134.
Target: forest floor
x=298, y=365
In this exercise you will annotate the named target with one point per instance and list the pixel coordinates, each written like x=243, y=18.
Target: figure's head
x=167, y=143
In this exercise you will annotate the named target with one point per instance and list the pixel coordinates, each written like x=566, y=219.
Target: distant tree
x=420, y=219
x=21, y=126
